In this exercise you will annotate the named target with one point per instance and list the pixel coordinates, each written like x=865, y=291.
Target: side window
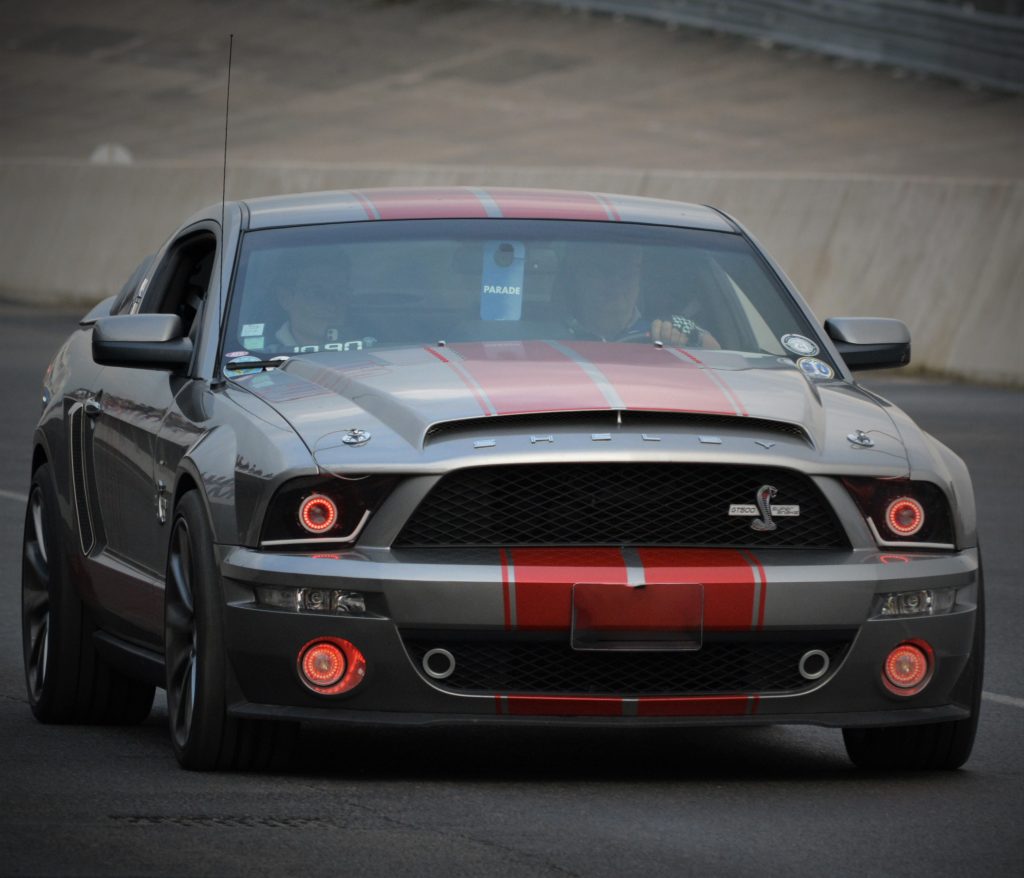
x=123, y=303
x=180, y=281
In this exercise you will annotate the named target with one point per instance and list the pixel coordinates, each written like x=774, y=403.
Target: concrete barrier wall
x=943, y=255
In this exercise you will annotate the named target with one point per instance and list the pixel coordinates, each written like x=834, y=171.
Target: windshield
x=354, y=286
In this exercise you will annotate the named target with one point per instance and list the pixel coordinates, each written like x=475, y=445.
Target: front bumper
x=504, y=595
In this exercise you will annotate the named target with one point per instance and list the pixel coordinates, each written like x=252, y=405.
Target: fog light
x=908, y=668
x=313, y=600
x=924, y=602
x=330, y=665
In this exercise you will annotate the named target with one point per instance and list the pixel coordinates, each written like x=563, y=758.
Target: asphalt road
x=112, y=801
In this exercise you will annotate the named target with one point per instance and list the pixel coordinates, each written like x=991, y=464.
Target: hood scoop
x=612, y=421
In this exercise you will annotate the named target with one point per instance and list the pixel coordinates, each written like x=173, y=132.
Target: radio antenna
x=223, y=194
x=227, y=115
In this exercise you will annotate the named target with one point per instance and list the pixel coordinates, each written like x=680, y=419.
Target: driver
x=604, y=296
x=315, y=298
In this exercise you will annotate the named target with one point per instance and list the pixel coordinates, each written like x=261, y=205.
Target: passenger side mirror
x=141, y=341
x=870, y=342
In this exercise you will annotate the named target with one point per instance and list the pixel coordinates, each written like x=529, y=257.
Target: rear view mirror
x=141, y=341
x=870, y=342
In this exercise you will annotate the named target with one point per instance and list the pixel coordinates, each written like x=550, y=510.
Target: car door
x=127, y=412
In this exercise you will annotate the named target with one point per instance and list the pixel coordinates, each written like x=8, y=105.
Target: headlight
x=900, y=512
x=319, y=510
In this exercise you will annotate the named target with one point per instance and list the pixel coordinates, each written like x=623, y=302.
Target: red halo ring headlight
x=904, y=516
x=331, y=666
x=908, y=668
x=318, y=513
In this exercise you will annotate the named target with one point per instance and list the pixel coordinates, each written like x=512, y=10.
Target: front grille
x=519, y=666
x=614, y=504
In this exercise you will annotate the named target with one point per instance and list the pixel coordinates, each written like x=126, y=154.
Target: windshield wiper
x=240, y=364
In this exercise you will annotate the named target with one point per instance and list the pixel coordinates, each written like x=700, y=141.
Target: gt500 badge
x=764, y=509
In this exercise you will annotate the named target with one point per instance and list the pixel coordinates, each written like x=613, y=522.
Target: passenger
x=604, y=300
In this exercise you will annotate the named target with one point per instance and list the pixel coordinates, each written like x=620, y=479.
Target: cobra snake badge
x=764, y=500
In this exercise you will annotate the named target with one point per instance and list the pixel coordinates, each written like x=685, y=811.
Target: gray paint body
x=238, y=441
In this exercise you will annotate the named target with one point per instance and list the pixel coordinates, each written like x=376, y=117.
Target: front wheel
x=204, y=737
x=945, y=745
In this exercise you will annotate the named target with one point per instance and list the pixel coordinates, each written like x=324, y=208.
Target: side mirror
x=870, y=342
x=141, y=341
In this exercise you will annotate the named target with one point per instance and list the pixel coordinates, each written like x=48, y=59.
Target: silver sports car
x=490, y=456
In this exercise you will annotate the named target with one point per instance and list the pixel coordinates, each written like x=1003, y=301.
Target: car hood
x=400, y=396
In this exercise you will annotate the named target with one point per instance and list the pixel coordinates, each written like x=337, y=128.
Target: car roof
x=465, y=202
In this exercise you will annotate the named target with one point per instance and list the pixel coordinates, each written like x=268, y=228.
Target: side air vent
x=76, y=418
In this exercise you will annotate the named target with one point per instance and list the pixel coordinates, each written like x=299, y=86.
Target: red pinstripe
x=469, y=385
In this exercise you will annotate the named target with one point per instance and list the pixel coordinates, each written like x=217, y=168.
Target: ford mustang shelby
x=490, y=456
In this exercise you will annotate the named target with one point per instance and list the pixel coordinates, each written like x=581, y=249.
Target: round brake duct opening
x=813, y=664
x=438, y=664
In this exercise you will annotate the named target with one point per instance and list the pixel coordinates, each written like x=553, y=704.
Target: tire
x=67, y=681
x=945, y=745
x=203, y=736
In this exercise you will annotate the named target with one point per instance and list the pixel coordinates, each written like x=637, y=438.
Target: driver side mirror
x=141, y=341
x=870, y=342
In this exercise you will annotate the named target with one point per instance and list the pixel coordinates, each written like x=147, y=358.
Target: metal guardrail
x=938, y=38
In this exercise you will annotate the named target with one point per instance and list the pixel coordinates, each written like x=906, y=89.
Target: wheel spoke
x=39, y=653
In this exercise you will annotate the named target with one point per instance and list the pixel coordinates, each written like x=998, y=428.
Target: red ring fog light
x=318, y=513
x=905, y=516
x=330, y=665
x=908, y=668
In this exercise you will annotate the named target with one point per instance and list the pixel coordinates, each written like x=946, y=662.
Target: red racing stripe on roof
x=516, y=377
x=399, y=204
x=541, y=204
x=727, y=575
x=648, y=378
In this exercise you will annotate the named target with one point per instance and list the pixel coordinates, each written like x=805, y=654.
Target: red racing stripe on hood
x=477, y=395
x=730, y=585
x=519, y=377
x=650, y=379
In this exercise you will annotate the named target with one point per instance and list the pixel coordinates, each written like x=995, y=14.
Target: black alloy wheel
x=203, y=735
x=66, y=680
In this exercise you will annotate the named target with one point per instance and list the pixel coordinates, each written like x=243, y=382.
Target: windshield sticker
x=234, y=354
x=250, y=329
x=501, y=292
x=799, y=345
x=235, y=367
x=357, y=344
x=812, y=367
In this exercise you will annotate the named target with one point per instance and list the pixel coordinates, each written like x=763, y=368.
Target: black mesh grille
x=615, y=420
x=614, y=504
x=78, y=481
x=555, y=668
